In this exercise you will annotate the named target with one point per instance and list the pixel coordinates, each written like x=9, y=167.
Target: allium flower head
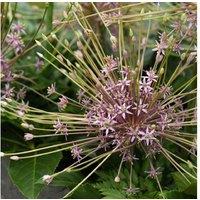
x=39, y=63
x=124, y=106
x=51, y=89
x=6, y=72
x=63, y=102
x=7, y=92
x=28, y=136
x=22, y=109
x=153, y=173
x=15, y=41
x=111, y=64
x=115, y=116
x=18, y=28
x=132, y=190
x=59, y=127
x=47, y=179
x=76, y=152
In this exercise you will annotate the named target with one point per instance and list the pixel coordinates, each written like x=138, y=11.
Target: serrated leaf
x=110, y=193
x=25, y=173
x=86, y=191
x=192, y=189
x=147, y=184
x=180, y=181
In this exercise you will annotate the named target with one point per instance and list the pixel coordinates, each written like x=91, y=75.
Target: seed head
x=117, y=179
x=15, y=41
x=15, y=158
x=63, y=102
x=28, y=136
x=2, y=154
x=51, y=89
x=59, y=127
x=47, y=179
x=76, y=152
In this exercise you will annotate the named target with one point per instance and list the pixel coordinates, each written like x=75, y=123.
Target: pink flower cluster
x=131, y=112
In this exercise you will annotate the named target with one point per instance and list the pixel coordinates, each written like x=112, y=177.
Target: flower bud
x=44, y=37
x=56, y=22
x=63, y=71
x=68, y=169
x=117, y=179
x=88, y=32
x=47, y=179
x=133, y=39
x=79, y=33
x=142, y=11
x=4, y=103
x=77, y=65
x=153, y=126
x=40, y=55
x=14, y=158
x=53, y=35
x=113, y=39
x=190, y=165
x=69, y=63
x=184, y=18
x=183, y=56
x=8, y=99
x=79, y=45
x=162, y=70
x=134, y=73
x=2, y=154
x=144, y=42
x=59, y=58
x=65, y=14
x=78, y=54
x=25, y=125
x=20, y=113
x=159, y=58
x=130, y=33
x=125, y=53
x=31, y=127
x=38, y=43
x=28, y=136
x=166, y=17
x=66, y=42
x=191, y=57
x=138, y=62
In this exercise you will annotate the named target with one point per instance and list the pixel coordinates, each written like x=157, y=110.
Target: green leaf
x=181, y=183
x=192, y=189
x=147, y=184
x=173, y=194
x=25, y=173
x=110, y=193
x=69, y=179
x=86, y=191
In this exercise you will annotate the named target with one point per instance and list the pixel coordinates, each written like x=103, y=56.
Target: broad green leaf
x=69, y=179
x=25, y=173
